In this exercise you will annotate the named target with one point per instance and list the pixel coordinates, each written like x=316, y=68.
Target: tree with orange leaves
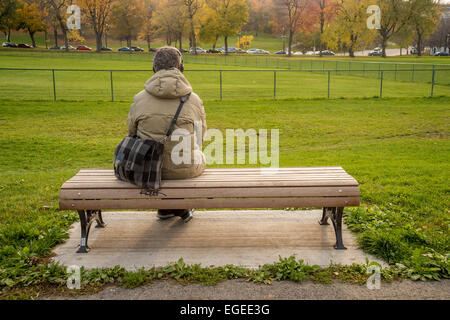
x=294, y=15
x=97, y=12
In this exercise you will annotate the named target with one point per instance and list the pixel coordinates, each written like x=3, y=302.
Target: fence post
x=112, y=86
x=379, y=70
x=274, y=85
x=395, y=77
x=432, y=82
x=364, y=69
x=381, y=85
x=54, y=85
x=220, y=72
x=412, y=76
x=329, y=74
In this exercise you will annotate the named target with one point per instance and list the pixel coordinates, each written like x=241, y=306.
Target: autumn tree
x=192, y=8
x=171, y=20
x=395, y=14
x=29, y=19
x=209, y=30
x=291, y=14
x=148, y=28
x=326, y=10
x=230, y=15
x=424, y=20
x=59, y=8
x=8, y=10
x=97, y=12
x=259, y=16
x=126, y=17
x=350, y=27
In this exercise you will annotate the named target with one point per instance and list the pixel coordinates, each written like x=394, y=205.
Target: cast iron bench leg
x=86, y=219
x=335, y=215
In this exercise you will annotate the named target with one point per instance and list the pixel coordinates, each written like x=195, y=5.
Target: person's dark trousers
x=185, y=214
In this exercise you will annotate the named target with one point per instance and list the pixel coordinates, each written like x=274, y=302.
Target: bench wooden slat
x=297, y=169
x=209, y=203
x=210, y=192
x=213, y=184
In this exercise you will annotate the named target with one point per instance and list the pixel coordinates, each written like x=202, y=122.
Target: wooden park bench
x=93, y=190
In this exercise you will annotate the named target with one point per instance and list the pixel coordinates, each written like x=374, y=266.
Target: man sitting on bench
x=152, y=111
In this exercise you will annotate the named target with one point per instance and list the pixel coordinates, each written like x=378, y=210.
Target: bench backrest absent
x=98, y=189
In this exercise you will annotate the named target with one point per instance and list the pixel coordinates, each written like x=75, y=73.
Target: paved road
x=286, y=290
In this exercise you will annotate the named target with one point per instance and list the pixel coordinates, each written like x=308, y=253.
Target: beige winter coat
x=151, y=113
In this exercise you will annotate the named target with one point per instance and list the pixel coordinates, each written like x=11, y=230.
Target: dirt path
x=238, y=289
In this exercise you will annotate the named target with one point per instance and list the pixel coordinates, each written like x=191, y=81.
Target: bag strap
x=183, y=99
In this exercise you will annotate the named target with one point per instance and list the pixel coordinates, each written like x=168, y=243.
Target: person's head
x=166, y=58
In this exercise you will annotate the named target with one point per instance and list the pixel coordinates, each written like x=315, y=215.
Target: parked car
x=240, y=51
x=298, y=53
x=376, y=52
x=84, y=48
x=24, y=45
x=69, y=47
x=156, y=49
x=138, y=49
x=281, y=52
x=311, y=53
x=9, y=45
x=257, y=51
x=199, y=50
x=105, y=49
x=328, y=53
x=441, y=54
x=125, y=49
x=182, y=50
x=55, y=48
x=213, y=51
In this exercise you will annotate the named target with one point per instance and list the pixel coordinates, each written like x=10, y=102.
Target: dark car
x=9, y=45
x=138, y=49
x=182, y=50
x=24, y=45
x=213, y=51
x=441, y=54
x=84, y=48
x=125, y=49
x=328, y=53
x=156, y=49
x=105, y=49
x=55, y=48
x=281, y=52
x=240, y=51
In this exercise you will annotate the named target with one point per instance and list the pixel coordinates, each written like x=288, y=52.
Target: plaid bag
x=140, y=161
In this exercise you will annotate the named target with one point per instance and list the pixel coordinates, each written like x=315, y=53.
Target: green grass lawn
x=398, y=149
x=363, y=81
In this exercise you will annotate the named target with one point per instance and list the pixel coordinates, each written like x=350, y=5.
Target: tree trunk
x=33, y=42
x=129, y=42
x=383, y=46
x=291, y=33
x=98, y=41
x=148, y=43
x=181, y=41
x=215, y=42
x=226, y=45
x=8, y=37
x=55, y=34
x=419, y=43
x=194, y=42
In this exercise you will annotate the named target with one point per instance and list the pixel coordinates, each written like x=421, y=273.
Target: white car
x=297, y=53
x=311, y=53
x=199, y=50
